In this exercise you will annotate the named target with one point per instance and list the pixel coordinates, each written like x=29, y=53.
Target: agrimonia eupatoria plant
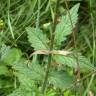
x=29, y=74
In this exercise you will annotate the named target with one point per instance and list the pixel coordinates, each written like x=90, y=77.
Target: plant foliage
x=22, y=75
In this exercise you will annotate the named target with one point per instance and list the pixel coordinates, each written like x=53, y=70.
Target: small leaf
x=64, y=28
x=37, y=39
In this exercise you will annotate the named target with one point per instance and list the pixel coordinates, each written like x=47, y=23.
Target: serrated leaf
x=37, y=39
x=25, y=81
x=28, y=74
x=60, y=79
x=64, y=28
x=32, y=71
x=71, y=61
x=21, y=91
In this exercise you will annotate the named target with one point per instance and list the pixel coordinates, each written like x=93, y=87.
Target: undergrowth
x=46, y=48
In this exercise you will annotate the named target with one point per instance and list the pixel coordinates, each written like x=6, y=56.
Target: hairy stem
x=51, y=48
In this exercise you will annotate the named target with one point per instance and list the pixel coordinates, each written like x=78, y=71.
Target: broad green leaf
x=12, y=56
x=60, y=79
x=3, y=70
x=71, y=61
x=37, y=39
x=64, y=28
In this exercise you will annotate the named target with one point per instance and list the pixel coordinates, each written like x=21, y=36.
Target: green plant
x=28, y=76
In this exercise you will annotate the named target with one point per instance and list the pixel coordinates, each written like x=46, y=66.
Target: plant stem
x=51, y=48
x=74, y=39
x=75, y=46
